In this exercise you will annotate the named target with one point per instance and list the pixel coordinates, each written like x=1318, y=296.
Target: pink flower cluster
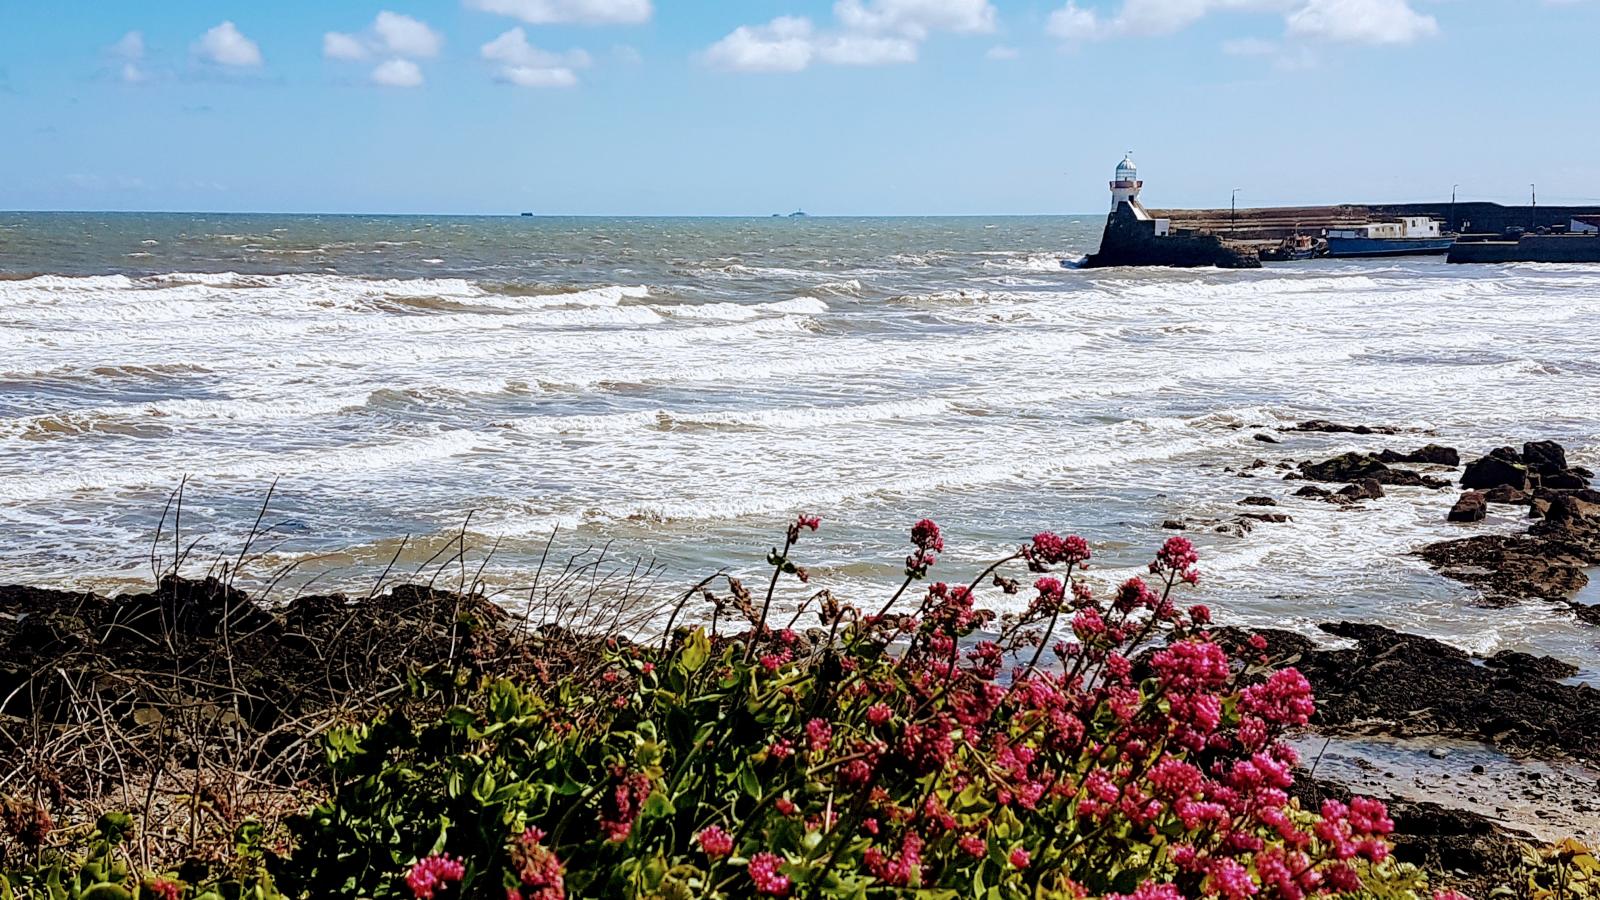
x=539, y=871
x=1048, y=549
x=431, y=874
x=714, y=842
x=164, y=889
x=622, y=803
x=764, y=871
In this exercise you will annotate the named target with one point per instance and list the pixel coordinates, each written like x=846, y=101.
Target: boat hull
x=1356, y=247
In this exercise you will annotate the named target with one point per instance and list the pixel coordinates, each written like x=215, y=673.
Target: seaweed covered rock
x=1502, y=467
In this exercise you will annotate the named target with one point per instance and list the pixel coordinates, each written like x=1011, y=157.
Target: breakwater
x=1276, y=223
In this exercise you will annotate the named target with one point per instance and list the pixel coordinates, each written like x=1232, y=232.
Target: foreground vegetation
x=1092, y=745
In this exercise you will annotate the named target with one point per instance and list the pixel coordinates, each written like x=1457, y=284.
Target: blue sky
x=758, y=106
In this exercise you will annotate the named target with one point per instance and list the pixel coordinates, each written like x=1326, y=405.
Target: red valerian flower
x=620, y=806
x=538, y=869
x=1230, y=881
x=1048, y=548
x=1283, y=699
x=714, y=842
x=164, y=888
x=764, y=872
x=432, y=874
x=1019, y=858
x=896, y=870
x=819, y=733
x=1150, y=890
x=925, y=536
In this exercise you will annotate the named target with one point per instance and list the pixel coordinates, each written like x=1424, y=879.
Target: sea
x=672, y=392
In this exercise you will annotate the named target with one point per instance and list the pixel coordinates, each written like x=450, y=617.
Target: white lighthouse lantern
x=1125, y=186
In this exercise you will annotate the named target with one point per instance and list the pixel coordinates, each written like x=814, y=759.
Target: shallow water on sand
x=680, y=387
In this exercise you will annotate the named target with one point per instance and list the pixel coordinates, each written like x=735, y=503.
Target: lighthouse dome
x=1126, y=170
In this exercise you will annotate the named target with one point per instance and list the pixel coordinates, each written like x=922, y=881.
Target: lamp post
x=1533, y=192
x=1453, y=189
x=1233, y=212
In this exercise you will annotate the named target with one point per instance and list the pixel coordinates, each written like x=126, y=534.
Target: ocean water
x=677, y=389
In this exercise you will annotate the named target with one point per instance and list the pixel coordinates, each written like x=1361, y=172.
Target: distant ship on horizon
x=797, y=214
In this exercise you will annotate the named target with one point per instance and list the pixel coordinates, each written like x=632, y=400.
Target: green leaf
x=696, y=650
x=657, y=805
x=749, y=782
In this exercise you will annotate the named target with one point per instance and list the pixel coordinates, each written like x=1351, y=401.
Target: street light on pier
x=1233, y=212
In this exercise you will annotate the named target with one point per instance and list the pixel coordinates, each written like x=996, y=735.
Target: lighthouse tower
x=1125, y=186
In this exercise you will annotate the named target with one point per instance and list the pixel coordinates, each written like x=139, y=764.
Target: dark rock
x=1506, y=494
x=1312, y=490
x=1408, y=478
x=1326, y=427
x=1365, y=489
x=1432, y=454
x=1494, y=471
x=1266, y=438
x=1344, y=467
x=1410, y=686
x=1172, y=525
x=1516, y=567
x=1526, y=665
x=1277, y=518
x=1544, y=457
x=1258, y=501
x=1564, y=480
x=1472, y=507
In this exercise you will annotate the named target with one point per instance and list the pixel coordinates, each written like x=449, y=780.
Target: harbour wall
x=1275, y=223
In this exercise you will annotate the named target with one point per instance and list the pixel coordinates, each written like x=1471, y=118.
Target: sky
x=750, y=107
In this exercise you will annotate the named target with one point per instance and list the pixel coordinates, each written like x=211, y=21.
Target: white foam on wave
x=799, y=417
x=1096, y=450
x=740, y=312
x=366, y=459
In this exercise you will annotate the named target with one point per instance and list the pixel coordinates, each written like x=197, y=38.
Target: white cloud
x=538, y=77
x=130, y=49
x=581, y=12
x=1001, y=53
x=524, y=65
x=405, y=36
x=390, y=34
x=783, y=45
x=1073, y=23
x=402, y=73
x=1356, y=21
x=130, y=46
x=1362, y=21
x=866, y=50
x=337, y=45
x=916, y=18
x=869, y=33
x=225, y=45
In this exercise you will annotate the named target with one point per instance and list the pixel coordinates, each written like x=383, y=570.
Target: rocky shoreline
x=1383, y=687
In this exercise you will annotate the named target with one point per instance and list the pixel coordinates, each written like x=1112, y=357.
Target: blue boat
x=1410, y=236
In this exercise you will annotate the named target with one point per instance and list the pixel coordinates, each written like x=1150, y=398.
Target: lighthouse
x=1125, y=186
